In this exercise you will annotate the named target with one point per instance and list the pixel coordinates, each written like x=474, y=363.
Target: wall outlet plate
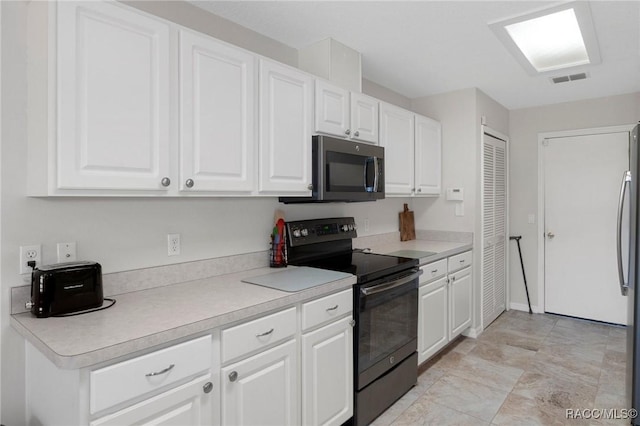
x=27, y=254
x=173, y=244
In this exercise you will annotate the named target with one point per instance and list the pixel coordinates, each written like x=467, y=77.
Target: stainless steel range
x=385, y=309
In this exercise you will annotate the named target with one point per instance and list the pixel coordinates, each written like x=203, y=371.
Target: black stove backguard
x=385, y=309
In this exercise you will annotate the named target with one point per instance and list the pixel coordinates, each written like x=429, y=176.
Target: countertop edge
x=177, y=334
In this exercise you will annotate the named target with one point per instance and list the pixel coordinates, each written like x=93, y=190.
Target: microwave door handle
x=368, y=188
x=376, y=173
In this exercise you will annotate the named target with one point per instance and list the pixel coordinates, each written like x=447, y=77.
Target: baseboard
x=525, y=308
x=472, y=332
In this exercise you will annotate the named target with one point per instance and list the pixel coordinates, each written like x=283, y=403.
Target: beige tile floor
x=523, y=370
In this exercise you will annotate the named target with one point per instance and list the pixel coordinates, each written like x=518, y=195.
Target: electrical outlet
x=27, y=254
x=173, y=244
x=66, y=252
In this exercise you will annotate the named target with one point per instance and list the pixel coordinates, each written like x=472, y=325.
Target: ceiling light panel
x=551, y=39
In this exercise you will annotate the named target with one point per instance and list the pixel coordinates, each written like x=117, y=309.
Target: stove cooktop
x=365, y=266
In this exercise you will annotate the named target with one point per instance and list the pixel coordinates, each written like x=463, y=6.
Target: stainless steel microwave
x=343, y=170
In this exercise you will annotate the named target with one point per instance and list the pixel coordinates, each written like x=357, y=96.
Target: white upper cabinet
x=345, y=114
x=286, y=103
x=428, y=156
x=113, y=98
x=364, y=118
x=397, y=138
x=217, y=120
x=413, y=152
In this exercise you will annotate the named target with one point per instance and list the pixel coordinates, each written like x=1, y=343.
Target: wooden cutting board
x=407, y=225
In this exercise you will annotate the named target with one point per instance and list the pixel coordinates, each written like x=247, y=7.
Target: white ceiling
x=421, y=48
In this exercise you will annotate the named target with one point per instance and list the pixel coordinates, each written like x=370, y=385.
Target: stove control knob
x=345, y=228
x=355, y=226
x=296, y=233
x=350, y=227
x=304, y=232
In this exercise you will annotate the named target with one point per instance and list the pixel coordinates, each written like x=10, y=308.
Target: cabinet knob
x=189, y=183
x=208, y=387
x=233, y=376
x=419, y=189
x=165, y=181
x=352, y=323
x=550, y=235
x=356, y=133
x=347, y=132
x=310, y=187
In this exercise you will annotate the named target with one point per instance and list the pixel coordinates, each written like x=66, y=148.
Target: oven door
x=386, y=324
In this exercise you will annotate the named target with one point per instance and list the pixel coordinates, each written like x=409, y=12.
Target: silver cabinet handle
x=266, y=333
x=208, y=387
x=233, y=376
x=419, y=189
x=310, y=187
x=352, y=323
x=332, y=308
x=433, y=271
x=356, y=134
x=157, y=373
x=165, y=181
x=347, y=132
x=462, y=261
x=189, y=183
x=626, y=179
x=453, y=278
x=550, y=235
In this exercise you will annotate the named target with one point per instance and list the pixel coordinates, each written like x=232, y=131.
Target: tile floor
x=523, y=370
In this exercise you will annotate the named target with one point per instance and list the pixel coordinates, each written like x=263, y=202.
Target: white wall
x=380, y=92
x=524, y=126
x=124, y=234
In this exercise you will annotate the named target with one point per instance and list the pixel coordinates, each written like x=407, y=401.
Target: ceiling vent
x=567, y=78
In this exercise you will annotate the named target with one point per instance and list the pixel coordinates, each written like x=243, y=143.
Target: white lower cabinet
x=262, y=389
x=188, y=404
x=327, y=374
x=444, y=307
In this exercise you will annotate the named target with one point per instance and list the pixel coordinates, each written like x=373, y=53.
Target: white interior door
x=582, y=183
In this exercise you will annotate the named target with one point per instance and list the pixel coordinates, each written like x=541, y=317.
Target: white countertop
x=441, y=249
x=145, y=319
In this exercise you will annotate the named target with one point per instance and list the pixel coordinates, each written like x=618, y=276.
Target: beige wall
x=524, y=127
x=373, y=89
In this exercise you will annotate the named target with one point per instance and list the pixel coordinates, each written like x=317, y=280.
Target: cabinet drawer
x=128, y=379
x=259, y=333
x=433, y=271
x=326, y=309
x=460, y=261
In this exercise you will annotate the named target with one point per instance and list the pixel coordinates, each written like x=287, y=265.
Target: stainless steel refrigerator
x=629, y=275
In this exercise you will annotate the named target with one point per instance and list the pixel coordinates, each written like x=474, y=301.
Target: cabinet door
x=327, y=374
x=185, y=405
x=332, y=110
x=263, y=389
x=460, y=301
x=397, y=137
x=218, y=103
x=364, y=118
x=113, y=98
x=285, y=130
x=428, y=159
x=433, y=321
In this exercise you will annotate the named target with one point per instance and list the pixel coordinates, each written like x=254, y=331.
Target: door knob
x=550, y=235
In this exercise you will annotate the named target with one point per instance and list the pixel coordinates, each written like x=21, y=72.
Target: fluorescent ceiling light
x=551, y=39
x=551, y=42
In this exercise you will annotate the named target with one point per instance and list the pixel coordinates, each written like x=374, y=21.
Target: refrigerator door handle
x=626, y=178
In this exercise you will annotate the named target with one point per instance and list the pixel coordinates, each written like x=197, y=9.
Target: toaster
x=63, y=288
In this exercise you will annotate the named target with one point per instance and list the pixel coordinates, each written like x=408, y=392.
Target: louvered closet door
x=494, y=230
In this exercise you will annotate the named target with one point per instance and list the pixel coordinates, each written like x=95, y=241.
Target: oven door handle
x=388, y=286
